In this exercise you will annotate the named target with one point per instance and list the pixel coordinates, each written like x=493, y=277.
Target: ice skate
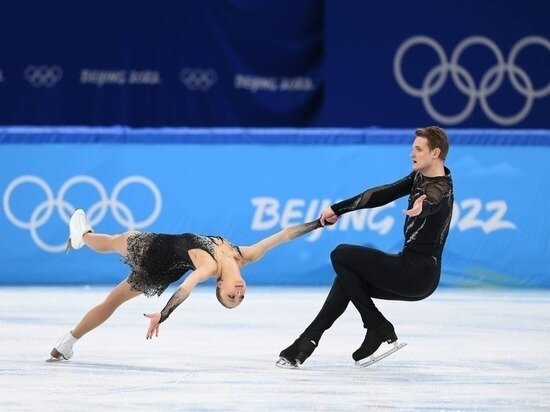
x=369, y=360
x=78, y=227
x=296, y=354
x=64, y=349
x=364, y=356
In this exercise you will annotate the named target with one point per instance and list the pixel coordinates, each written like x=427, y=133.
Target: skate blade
x=69, y=246
x=285, y=364
x=55, y=356
x=373, y=359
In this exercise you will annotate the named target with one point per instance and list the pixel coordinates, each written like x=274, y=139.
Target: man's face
x=421, y=155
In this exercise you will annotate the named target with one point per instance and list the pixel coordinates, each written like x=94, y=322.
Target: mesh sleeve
x=435, y=192
x=376, y=197
x=299, y=230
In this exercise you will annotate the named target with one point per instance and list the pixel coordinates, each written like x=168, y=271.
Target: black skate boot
x=296, y=354
x=374, y=338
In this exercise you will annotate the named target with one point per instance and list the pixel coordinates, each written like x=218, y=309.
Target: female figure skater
x=156, y=260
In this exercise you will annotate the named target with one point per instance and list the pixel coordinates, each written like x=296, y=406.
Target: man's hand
x=416, y=208
x=328, y=217
x=153, y=325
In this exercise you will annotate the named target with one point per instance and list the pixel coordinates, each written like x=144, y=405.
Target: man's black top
x=425, y=233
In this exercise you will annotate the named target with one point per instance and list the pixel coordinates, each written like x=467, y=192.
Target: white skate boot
x=78, y=227
x=64, y=349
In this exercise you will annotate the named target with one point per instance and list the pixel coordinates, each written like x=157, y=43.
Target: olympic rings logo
x=198, y=79
x=43, y=211
x=463, y=80
x=43, y=76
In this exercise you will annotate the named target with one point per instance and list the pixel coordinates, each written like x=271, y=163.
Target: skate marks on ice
x=467, y=350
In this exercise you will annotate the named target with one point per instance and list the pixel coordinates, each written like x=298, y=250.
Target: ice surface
x=485, y=350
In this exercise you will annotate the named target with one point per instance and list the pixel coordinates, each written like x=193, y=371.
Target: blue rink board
x=249, y=188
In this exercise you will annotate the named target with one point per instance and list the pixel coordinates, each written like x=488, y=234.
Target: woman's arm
x=256, y=251
x=201, y=274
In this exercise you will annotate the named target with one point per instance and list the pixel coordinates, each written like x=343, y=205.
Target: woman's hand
x=416, y=208
x=153, y=325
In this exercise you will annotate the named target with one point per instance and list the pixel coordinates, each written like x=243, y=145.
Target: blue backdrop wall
x=245, y=184
x=275, y=63
x=462, y=63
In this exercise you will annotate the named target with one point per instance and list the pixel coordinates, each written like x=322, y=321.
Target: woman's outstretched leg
x=81, y=233
x=101, y=312
x=100, y=242
x=95, y=317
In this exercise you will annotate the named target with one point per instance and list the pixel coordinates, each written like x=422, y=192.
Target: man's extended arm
x=375, y=197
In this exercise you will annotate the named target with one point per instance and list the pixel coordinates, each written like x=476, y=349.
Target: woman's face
x=231, y=292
